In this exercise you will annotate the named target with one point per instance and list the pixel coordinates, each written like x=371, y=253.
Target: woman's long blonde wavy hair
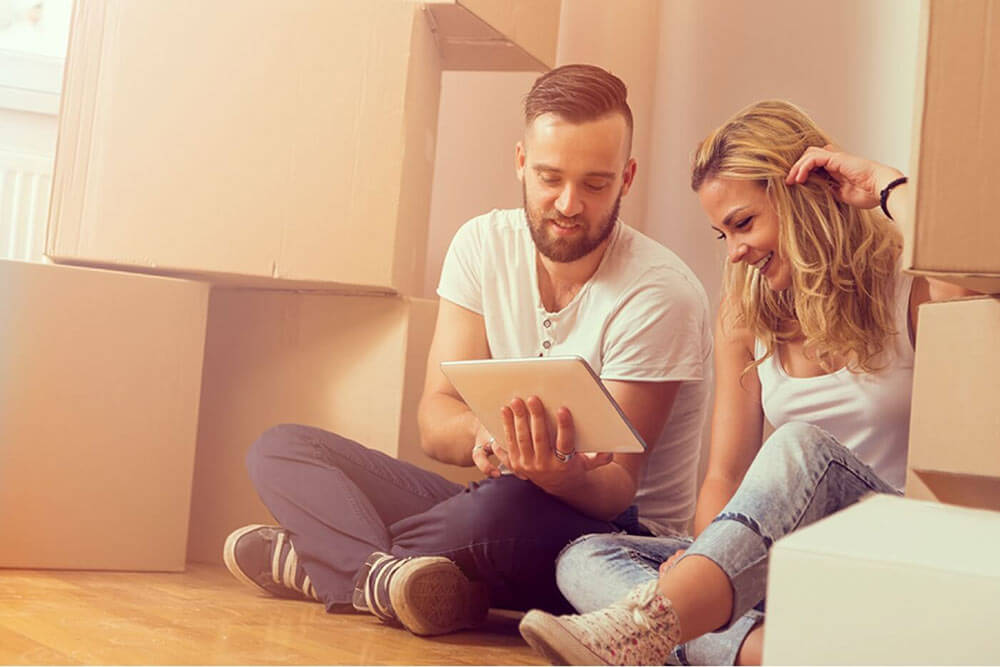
x=843, y=259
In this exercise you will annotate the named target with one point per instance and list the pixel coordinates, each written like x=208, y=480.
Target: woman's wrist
x=884, y=176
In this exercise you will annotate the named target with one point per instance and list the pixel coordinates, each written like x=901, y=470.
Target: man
x=561, y=276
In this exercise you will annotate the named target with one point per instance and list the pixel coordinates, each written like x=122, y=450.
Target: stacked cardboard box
x=261, y=143
x=954, y=452
x=889, y=581
x=100, y=375
x=279, y=155
x=954, y=164
x=955, y=426
x=353, y=365
x=902, y=581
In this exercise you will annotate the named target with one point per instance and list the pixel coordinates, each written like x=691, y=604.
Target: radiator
x=25, y=184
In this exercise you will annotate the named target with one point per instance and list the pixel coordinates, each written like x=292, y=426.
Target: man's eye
x=596, y=187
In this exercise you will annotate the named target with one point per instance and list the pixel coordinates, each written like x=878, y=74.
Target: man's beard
x=567, y=250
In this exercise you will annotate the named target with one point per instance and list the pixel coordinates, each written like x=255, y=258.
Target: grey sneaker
x=263, y=557
x=641, y=629
x=428, y=595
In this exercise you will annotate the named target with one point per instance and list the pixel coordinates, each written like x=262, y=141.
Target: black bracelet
x=884, y=195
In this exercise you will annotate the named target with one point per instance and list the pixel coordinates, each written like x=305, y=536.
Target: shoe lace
x=285, y=573
x=635, y=615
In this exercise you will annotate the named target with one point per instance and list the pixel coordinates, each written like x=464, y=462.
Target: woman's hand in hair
x=859, y=181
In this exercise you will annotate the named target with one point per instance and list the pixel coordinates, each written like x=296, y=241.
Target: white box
x=889, y=581
x=100, y=374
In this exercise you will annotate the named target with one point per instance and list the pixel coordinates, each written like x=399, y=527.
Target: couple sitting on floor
x=815, y=332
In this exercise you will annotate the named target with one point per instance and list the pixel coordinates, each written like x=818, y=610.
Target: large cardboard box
x=100, y=374
x=264, y=144
x=496, y=34
x=889, y=581
x=956, y=133
x=954, y=453
x=353, y=365
x=248, y=141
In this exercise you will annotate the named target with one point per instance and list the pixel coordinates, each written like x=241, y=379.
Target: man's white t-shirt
x=643, y=316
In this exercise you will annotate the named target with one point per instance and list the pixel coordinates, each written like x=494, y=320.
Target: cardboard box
x=100, y=374
x=954, y=453
x=889, y=581
x=496, y=34
x=353, y=365
x=955, y=136
x=249, y=142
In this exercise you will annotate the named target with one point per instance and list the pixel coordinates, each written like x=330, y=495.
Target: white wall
x=689, y=65
x=622, y=37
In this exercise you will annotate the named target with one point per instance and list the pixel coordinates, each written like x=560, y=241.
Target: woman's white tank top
x=869, y=413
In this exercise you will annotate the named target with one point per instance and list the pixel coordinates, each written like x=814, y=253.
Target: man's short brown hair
x=577, y=93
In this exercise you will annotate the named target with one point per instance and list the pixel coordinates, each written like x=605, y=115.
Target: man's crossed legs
x=360, y=529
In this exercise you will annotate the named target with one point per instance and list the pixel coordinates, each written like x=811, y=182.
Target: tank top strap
x=767, y=371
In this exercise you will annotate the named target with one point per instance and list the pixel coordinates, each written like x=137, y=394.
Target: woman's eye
x=743, y=223
x=721, y=237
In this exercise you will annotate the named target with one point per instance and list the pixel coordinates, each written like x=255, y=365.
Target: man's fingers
x=507, y=415
x=522, y=429
x=565, y=431
x=539, y=429
x=482, y=461
x=501, y=454
x=591, y=461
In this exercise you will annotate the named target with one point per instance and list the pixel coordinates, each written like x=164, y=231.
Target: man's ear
x=628, y=176
x=519, y=160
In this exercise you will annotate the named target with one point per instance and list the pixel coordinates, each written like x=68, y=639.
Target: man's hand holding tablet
x=514, y=399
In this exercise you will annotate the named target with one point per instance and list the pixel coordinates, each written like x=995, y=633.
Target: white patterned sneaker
x=641, y=629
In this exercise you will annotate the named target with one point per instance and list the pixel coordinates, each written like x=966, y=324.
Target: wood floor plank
x=203, y=616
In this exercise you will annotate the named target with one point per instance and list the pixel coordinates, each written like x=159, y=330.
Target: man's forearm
x=602, y=493
x=447, y=429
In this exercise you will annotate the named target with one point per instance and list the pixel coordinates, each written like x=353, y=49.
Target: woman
x=815, y=333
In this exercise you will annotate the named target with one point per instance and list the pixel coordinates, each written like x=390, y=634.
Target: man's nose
x=569, y=203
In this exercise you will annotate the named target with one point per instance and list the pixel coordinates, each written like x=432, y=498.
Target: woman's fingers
x=670, y=562
x=812, y=158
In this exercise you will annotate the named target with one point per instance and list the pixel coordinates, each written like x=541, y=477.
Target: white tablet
x=488, y=385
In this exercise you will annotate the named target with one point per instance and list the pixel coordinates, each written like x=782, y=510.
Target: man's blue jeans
x=341, y=501
x=800, y=475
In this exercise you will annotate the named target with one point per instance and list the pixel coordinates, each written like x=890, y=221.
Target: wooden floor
x=205, y=617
